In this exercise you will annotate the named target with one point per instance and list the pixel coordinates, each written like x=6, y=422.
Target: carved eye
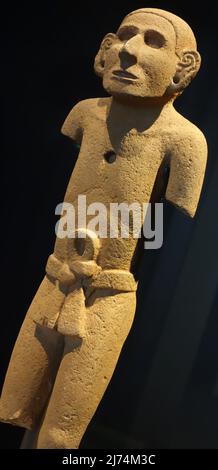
x=127, y=33
x=154, y=39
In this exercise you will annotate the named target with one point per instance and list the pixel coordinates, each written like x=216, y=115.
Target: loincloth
x=72, y=284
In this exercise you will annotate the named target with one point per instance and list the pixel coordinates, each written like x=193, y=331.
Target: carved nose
x=129, y=52
x=127, y=59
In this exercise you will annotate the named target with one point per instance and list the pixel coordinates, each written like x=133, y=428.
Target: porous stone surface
x=75, y=328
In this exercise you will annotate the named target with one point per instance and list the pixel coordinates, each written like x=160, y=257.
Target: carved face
x=142, y=60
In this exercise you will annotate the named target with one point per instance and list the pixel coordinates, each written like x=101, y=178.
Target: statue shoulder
x=79, y=115
x=186, y=134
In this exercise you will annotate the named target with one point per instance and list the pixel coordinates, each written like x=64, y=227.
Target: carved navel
x=110, y=156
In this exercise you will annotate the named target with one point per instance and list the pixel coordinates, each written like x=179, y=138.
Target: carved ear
x=187, y=68
x=100, y=58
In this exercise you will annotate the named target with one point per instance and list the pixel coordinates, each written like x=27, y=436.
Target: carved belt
x=73, y=282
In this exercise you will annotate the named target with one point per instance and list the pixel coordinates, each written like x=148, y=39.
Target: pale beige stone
x=83, y=311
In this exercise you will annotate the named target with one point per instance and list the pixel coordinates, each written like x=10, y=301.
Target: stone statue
x=74, y=330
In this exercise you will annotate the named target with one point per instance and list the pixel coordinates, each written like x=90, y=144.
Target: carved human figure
x=75, y=328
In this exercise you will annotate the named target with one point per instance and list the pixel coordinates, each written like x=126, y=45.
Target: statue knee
x=49, y=439
x=55, y=438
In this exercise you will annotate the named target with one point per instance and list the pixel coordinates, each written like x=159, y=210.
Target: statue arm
x=187, y=168
x=73, y=125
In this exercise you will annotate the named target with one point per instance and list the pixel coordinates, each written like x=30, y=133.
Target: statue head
x=152, y=55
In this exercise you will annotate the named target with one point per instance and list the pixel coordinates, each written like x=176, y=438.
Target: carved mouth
x=123, y=74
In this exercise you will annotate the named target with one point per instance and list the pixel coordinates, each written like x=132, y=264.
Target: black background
x=47, y=54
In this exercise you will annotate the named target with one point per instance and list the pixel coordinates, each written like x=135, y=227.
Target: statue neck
x=135, y=114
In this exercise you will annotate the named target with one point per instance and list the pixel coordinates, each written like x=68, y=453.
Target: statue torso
x=116, y=164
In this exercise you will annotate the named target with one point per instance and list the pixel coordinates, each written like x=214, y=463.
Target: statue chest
x=116, y=168
x=126, y=165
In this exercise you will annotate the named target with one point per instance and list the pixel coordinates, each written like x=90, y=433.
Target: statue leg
x=32, y=369
x=86, y=369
